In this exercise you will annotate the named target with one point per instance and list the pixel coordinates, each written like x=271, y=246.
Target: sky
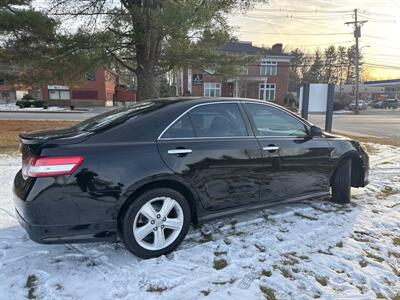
x=313, y=24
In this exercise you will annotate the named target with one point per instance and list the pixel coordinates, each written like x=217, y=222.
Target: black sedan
x=142, y=174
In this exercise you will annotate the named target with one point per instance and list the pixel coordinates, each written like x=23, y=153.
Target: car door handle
x=179, y=151
x=271, y=148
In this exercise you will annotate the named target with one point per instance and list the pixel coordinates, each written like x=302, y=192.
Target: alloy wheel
x=158, y=223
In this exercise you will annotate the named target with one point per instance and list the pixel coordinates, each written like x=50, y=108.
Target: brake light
x=51, y=165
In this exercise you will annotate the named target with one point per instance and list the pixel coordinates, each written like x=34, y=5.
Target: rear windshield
x=118, y=116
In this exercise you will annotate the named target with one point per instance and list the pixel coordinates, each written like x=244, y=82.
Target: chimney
x=277, y=48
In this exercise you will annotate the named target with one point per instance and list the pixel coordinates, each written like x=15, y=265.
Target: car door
x=212, y=148
x=295, y=163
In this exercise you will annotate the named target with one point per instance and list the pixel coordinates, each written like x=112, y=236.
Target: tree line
x=331, y=65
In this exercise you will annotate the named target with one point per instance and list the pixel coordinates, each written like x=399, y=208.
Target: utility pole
x=357, y=34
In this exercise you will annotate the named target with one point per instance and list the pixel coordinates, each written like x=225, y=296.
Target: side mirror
x=315, y=131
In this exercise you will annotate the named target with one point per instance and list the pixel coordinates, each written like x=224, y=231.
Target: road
x=373, y=122
x=78, y=116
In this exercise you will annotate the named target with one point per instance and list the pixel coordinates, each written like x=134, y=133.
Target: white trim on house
x=212, y=89
x=268, y=93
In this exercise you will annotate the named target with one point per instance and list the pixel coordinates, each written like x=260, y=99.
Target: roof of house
x=248, y=48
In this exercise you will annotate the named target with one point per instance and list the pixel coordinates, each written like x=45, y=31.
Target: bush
x=45, y=105
x=23, y=103
x=28, y=97
x=72, y=107
x=338, y=105
x=37, y=103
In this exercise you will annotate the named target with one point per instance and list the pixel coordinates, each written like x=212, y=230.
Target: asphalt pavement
x=383, y=123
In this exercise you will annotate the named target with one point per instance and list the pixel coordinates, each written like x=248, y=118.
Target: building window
x=267, y=91
x=212, y=89
x=6, y=96
x=91, y=76
x=59, y=95
x=269, y=68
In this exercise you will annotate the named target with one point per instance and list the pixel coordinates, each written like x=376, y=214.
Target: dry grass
x=374, y=139
x=10, y=129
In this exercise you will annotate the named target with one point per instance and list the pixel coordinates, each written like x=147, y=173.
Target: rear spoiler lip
x=49, y=140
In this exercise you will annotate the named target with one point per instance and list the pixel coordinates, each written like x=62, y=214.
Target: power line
x=294, y=34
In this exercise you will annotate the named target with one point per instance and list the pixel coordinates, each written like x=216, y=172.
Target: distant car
x=376, y=104
x=142, y=174
x=390, y=103
x=362, y=105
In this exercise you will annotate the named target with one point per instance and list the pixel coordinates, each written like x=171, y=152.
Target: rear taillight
x=50, y=165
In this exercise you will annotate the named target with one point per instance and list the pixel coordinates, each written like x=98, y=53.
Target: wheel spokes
x=168, y=205
x=173, y=224
x=142, y=232
x=159, y=238
x=148, y=211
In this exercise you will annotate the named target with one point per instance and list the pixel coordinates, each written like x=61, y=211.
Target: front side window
x=269, y=68
x=267, y=92
x=212, y=89
x=270, y=121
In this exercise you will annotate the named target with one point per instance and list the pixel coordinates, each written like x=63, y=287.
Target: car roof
x=199, y=100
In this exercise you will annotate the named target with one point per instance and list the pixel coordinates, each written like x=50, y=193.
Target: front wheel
x=156, y=223
x=341, y=183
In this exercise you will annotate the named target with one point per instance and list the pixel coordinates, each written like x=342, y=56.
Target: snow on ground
x=13, y=107
x=314, y=249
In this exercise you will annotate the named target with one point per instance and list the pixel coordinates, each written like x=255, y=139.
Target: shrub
x=23, y=103
x=72, y=107
x=45, y=105
x=338, y=105
x=37, y=103
x=28, y=97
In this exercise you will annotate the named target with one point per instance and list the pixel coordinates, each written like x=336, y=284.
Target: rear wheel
x=156, y=223
x=341, y=183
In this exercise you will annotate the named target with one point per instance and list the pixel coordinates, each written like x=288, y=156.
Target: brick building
x=100, y=89
x=267, y=77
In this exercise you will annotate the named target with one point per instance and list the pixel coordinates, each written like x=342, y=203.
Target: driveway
x=372, y=122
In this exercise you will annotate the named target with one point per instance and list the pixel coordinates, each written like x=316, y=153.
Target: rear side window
x=270, y=121
x=180, y=129
x=210, y=120
x=218, y=120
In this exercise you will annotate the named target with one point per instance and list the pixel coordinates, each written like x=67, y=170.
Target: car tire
x=149, y=217
x=341, y=183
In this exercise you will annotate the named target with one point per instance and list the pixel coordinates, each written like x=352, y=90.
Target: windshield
x=118, y=116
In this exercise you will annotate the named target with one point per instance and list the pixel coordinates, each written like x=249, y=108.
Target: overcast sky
x=312, y=24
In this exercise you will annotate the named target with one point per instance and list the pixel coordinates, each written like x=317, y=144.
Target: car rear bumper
x=60, y=234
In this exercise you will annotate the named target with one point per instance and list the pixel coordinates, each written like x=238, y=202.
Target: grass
x=155, y=289
x=374, y=257
x=386, y=192
x=268, y=293
x=321, y=280
x=259, y=247
x=10, y=130
x=205, y=292
x=373, y=139
x=363, y=263
x=31, y=286
x=339, y=244
x=220, y=263
x=396, y=241
x=266, y=273
x=297, y=214
x=219, y=253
